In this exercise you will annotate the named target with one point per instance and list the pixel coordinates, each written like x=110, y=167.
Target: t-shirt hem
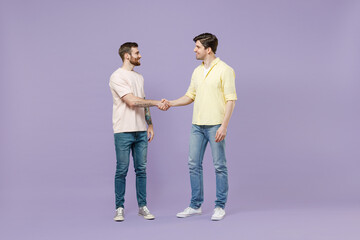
x=137, y=130
x=206, y=123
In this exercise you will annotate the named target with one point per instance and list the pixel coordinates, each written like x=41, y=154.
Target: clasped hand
x=164, y=105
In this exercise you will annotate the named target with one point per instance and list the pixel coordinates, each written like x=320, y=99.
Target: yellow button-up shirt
x=210, y=93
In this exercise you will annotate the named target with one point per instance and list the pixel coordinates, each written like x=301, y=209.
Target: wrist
x=224, y=125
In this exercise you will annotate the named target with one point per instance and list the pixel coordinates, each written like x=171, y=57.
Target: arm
x=184, y=100
x=221, y=132
x=133, y=101
x=166, y=104
x=188, y=98
x=150, y=130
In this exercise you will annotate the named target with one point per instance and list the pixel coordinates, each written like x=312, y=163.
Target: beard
x=135, y=61
x=199, y=57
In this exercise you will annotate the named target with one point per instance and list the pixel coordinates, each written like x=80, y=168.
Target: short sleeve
x=191, y=92
x=120, y=86
x=228, y=84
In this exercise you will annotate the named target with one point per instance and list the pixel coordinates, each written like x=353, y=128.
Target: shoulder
x=117, y=73
x=118, y=76
x=225, y=68
x=138, y=75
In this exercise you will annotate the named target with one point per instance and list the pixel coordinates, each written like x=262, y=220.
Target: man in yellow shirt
x=212, y=89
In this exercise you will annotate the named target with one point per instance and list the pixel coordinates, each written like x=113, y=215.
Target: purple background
x=293, y=140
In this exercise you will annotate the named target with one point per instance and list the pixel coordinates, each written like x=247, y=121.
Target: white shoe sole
x=147, y=218
x=187, y=215
x=217, y=218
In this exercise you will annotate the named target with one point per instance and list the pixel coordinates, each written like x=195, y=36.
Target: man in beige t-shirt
x=130, y=116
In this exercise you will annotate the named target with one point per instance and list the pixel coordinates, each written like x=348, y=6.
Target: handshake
x=164, y=105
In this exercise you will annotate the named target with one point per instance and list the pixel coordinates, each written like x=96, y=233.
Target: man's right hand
x=164, y=105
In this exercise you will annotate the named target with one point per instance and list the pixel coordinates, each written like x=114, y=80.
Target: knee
x=120, y=173
x=140, y=171
x=194, y=166
x=221, y=168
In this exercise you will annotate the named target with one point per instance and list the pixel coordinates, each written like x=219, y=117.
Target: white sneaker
x=188, y=212
x=144, y=211
x=119, y=216
x=218, y=214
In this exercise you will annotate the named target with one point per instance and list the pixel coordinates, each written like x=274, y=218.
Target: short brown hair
x=208, y=40
x=126, y=48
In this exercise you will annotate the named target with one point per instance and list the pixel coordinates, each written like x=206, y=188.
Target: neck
x=208, y=59
x=127, y=66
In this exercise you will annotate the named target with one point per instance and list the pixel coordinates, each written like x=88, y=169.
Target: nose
x=194, y=49
x=139, y=56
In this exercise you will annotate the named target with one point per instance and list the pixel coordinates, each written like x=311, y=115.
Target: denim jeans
x=200, y=136
x=136, y=142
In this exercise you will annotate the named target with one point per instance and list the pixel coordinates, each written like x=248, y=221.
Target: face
x=135, y=56
x=200, y=51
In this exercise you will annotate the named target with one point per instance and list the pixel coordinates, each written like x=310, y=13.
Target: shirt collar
x=214, y=62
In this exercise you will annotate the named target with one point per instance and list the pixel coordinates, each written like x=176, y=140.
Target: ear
x=208, y=50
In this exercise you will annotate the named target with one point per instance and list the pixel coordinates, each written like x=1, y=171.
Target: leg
x=219, y=159
x=197, y=147
x=139, y=152
x=123, y=142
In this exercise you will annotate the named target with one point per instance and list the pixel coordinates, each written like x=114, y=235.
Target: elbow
x=129, y=100
x=231, y=103
x=130, y=104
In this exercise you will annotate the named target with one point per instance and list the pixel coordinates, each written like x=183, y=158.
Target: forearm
x=184, y=100
x=133, y=101
x=229, y=108
x=148, y=116
x=144, y=103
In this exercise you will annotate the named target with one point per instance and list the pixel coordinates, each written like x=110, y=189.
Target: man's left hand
x=150, y=133
x=220, y=134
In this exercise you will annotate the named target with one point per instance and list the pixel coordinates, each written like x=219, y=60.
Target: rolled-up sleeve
x=191, y=92
x=228, y=84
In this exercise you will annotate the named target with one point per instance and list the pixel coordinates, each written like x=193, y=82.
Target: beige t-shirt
x=126, y=119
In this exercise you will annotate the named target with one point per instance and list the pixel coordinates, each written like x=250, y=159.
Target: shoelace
x=187, y=209
x=146, y=210
x=217, y=211
x=120, y=212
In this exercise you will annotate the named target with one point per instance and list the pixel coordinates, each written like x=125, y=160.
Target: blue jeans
x=136, y=142
x=200, y=136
